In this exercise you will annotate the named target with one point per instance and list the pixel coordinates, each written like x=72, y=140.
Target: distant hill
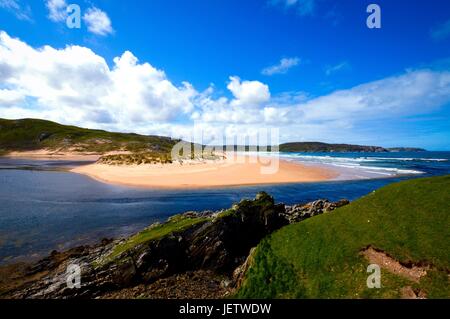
x=34, y=134
x=324, y=147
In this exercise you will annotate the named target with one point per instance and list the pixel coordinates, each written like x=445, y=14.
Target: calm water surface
x=43, y=208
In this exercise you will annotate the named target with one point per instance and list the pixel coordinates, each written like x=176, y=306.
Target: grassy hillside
x=321, y=257
x=33, y=134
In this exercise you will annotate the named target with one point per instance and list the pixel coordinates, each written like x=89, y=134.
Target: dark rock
x=239, y=272
x=125, y=273
x=223, y=243
x=220, y=244
x=297, y=213
x=106, y=241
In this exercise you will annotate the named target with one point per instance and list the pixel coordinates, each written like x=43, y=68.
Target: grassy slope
x=22, y=135
x=175, y=224
x=319, y=258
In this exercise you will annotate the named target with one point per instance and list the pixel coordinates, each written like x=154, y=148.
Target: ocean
x=44, y=208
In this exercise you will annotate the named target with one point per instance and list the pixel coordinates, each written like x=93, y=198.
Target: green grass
x=152, y=157
x=136, y=158
x=174, y=225
x=33, y=134
x=320, y=257
x=226, y=213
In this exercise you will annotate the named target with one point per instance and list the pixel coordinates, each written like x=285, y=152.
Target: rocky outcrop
x=225, y=242
x=297, y=213
x=214, y=242
x=239, y=272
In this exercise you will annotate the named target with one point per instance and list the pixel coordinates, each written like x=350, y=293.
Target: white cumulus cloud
x=74, y=85
x=98, y=22
x=248, y=93
x=57, y=10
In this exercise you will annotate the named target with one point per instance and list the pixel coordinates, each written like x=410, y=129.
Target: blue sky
x=310, y=67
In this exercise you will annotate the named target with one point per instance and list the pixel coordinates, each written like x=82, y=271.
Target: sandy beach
x=232, y=171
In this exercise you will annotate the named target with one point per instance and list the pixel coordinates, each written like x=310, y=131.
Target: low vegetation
x=33, y=134
x=136, y=158
x=321, y=257
x=176, y=224
x=153, y=157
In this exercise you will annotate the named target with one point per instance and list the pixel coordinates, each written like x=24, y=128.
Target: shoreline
x=56, y=156
x=45, y=154
x=235, y=171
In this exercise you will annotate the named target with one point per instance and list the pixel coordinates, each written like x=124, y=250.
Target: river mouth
x=45, y=207
x=7, y=163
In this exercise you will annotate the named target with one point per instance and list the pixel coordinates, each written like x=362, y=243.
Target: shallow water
x=43, y=208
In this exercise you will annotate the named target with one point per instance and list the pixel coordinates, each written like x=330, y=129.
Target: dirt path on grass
x=414, y=273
